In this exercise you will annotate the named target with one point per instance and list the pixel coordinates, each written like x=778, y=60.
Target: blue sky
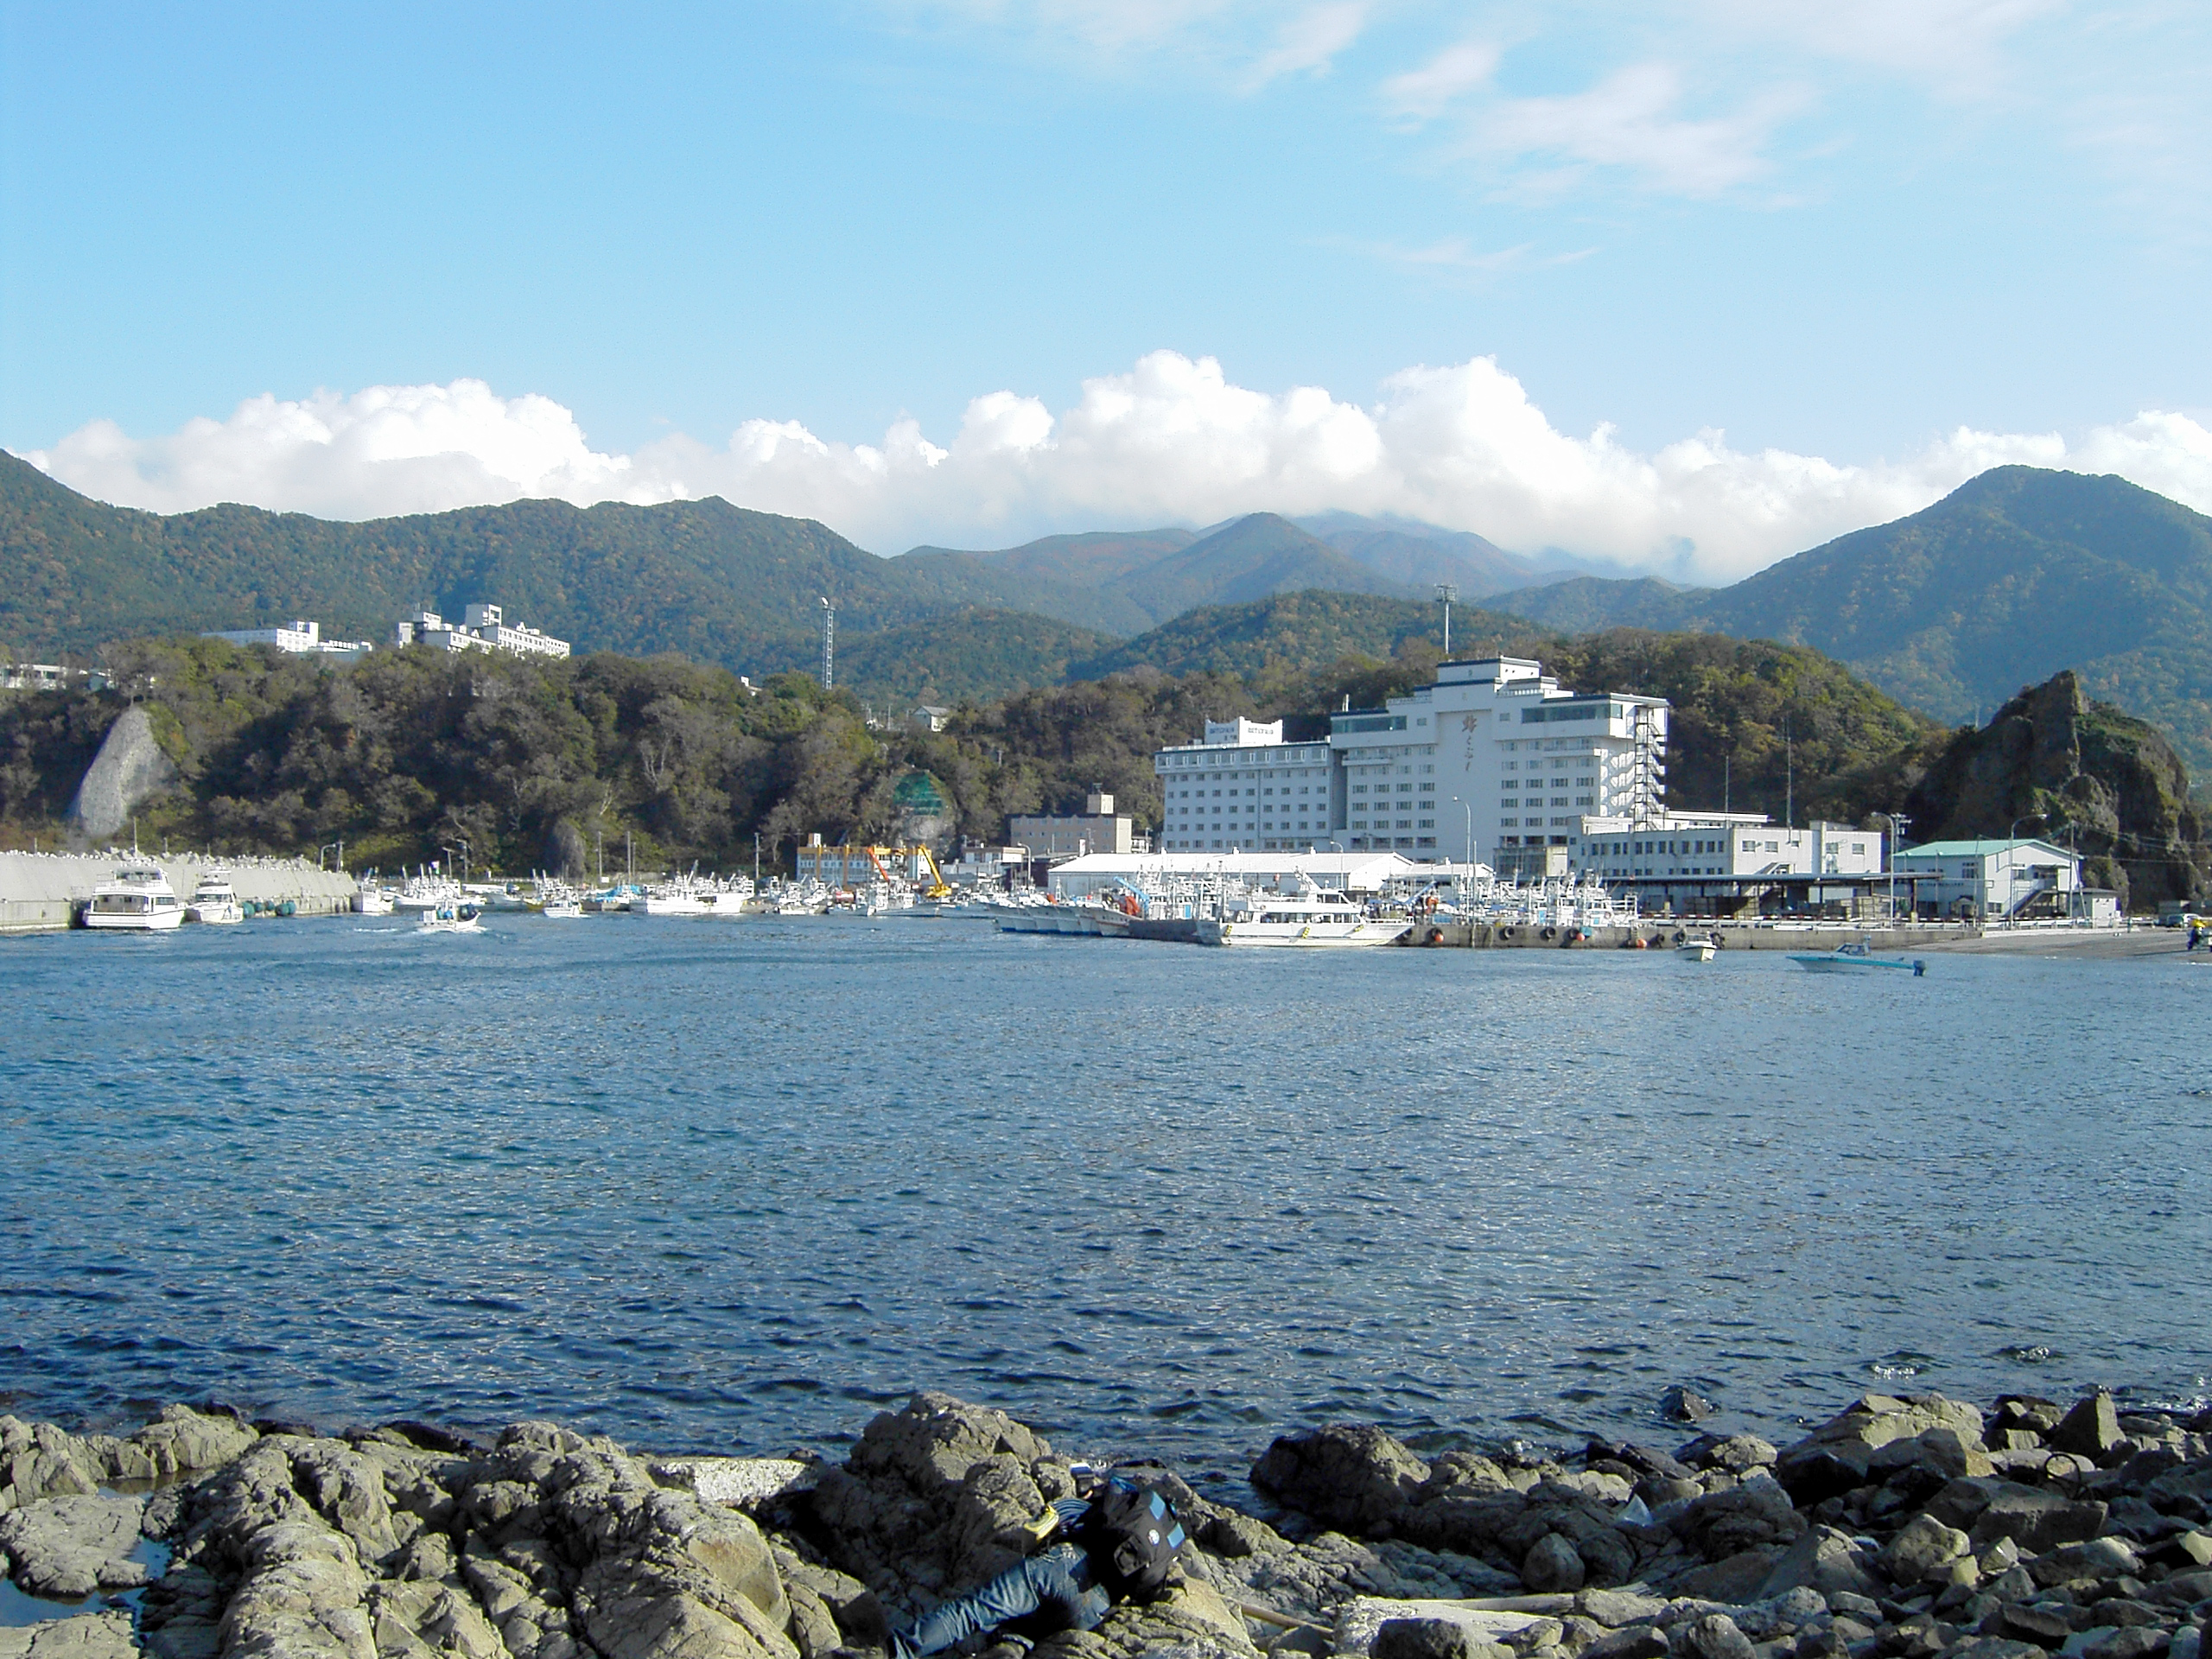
x=757, y=250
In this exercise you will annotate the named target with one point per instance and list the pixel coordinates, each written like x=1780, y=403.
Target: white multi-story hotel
x=1493, y=757
x=481, y=629
x=1244, y=787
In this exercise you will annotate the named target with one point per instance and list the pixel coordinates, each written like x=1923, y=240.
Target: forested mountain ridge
x=1142, y=578
x=2016, y=574
x=717, y=583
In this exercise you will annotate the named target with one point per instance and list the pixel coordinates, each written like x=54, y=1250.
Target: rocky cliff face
x=2080, y=774
x=130, y=768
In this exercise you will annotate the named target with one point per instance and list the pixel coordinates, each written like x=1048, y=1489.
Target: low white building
x=1360, y=874
x=42, y=676
x=482, y=628
x=1730, y=845
x=1990, y=879
x=296, y=637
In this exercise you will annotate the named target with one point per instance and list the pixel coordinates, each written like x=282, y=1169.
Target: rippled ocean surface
x=734, y=1185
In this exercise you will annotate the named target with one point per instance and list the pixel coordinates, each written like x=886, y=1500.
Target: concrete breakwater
x=40, y=891
x=1907, y=1527
x=1664, y=933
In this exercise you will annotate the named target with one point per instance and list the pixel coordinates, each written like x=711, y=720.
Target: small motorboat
x=1697, y=949
x=451, y=918
x=213, y=899
x=560, y=904
x=1851, y=958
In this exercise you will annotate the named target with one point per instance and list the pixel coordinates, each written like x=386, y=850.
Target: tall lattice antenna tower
x=1447, y=592
x=829, y=642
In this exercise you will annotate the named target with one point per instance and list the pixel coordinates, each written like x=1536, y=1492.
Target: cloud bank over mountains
x=1172, y=441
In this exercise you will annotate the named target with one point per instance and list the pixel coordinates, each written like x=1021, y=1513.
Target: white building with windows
x=1993, y=878
x=483, y=628
x=1493, y=758
x=298, y=639
x=1243, y=788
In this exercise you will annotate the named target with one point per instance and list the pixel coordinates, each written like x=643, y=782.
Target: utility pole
x=1447, y=592
x=756, y=858
x=829, y=642
x=1897, y=822
x=1788, y=781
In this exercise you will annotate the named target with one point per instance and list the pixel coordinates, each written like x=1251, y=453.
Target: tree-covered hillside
x=411, y=750
x=1300, y=632
x=714, y=581
x=2016, y=574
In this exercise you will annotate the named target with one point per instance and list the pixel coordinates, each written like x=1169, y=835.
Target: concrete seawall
x=40, y=891
x=1656, y=934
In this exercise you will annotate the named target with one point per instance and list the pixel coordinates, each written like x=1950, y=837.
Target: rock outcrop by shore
x=1916, y=1528
x=129, y=771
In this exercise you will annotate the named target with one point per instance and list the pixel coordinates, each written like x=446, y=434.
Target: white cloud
x=1955, y=45
x=1172, y=440
x=1309, y=43
x=389, y=449
x=1632, y=120
x=1451, y=74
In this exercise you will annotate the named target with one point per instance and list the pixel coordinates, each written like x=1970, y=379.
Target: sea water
x=736, y=1185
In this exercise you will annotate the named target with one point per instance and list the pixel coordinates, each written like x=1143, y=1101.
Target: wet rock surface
x=1905, y=1528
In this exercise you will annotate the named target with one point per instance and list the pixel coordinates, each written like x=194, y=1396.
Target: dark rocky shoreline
x=1904, y=1528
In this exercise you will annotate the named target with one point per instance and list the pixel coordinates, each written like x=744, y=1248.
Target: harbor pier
x=41, y=892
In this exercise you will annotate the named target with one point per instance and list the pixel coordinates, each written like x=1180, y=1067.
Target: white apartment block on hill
x=298, y=638
x=482, y=628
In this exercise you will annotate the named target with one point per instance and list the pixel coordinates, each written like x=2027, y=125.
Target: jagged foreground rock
x=1905, y=1528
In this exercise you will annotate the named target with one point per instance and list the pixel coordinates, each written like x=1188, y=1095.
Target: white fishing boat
x=686, y=895
x=1858, y=957
x=214, y=899
x=1306, y=918
x=371, y=898
x=559, y=902
x=731, y=898
x=456, y=918
x=1697, y=949
x=139, y=899
x=612, y=901
x=428, y=890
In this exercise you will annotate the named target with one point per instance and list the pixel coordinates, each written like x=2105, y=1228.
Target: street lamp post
x=1470, y=809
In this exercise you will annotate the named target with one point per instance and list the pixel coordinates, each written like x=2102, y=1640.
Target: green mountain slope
x=1581, y=604
x=714, y=581
x=1092, y=559
x=1302, y=633
x=1139, y=578
x=1259, y=554
x=1419, y=555
x=966, y=656
x=2014, y=575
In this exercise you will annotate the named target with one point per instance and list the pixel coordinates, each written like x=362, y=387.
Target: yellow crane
x=938, y=887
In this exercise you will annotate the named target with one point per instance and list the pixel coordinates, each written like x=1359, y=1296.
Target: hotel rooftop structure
x=1493, y=758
